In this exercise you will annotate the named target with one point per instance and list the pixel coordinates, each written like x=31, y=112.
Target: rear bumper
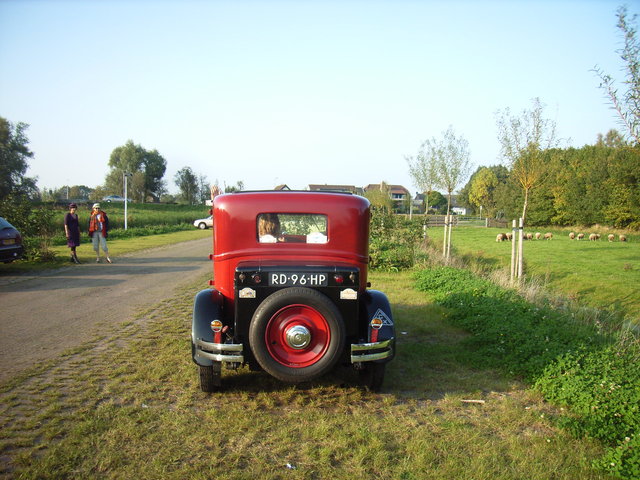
x=233, y=352
x=219, y=352
x=11, y=253
x=369, y=352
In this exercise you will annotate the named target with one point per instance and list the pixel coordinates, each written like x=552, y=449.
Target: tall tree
x=422, y=170
x=187, y=182
x=481, y=191
x=626, y=104
x=523, y=139
x=147, y=167
x=14, y=156
x=449, y=159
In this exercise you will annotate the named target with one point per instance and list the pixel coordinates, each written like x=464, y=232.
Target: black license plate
x=292, y=279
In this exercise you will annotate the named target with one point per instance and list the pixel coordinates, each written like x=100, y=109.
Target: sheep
x=529, y=236
x=548, y=236
x=572, y=235
x=580, y=236
x=610, y=237
x=500, y=237
x=623, y=238
x=538, y=235
x=509, y=236
x=594, y=236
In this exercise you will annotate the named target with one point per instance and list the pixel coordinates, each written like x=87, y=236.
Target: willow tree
x=422, y=170
x=523, y=140
x=627, y=103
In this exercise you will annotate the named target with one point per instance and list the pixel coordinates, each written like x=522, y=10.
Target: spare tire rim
x=297, y=336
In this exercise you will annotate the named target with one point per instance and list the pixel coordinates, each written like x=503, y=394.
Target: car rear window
x=291, y=228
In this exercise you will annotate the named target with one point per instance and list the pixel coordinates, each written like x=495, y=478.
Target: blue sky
x=294, y=92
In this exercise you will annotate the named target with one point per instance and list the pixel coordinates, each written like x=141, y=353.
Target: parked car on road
x=114, y=198
x=290, y=293
x=10, y=242
x=204, y=223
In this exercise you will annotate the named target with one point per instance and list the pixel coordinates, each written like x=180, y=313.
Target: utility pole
x=125, y=176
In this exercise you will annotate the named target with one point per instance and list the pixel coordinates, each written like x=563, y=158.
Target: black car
x=10, y=242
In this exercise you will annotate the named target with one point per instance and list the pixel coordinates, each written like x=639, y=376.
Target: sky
x=295, y=92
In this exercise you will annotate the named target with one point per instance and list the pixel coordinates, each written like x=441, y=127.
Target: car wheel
x=297, y=334
x=210, y=377
x=202, y=226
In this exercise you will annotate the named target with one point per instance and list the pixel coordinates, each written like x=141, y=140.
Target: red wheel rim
x=294, y=317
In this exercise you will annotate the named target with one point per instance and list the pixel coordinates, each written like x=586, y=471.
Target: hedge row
x=571, y=363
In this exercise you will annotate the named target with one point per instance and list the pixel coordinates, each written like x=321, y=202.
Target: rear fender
x=376, y=306
x=207, y=307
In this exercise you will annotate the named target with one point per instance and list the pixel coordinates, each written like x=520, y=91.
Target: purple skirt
x=73, y=226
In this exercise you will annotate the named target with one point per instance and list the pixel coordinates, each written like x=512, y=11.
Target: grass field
x=602, y=274
x=128, y=406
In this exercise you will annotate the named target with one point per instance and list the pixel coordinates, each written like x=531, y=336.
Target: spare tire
x=297, y=334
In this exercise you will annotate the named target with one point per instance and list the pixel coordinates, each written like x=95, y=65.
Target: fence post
x=520, y=248
x=444, y=239
x=513, y=250
x=449, y=239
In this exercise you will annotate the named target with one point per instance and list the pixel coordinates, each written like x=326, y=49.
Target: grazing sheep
x=580, y=236
x=623, y=238
x=593, y=237
x=610, y=237
x=548, y=236
x=500, y=237
x=509, y=236
x=572, y=235
x=529, y=236
x=538, y=235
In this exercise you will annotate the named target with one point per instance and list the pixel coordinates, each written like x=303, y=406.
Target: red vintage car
x=290, y=293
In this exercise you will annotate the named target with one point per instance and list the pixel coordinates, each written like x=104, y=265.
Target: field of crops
x=601, y=274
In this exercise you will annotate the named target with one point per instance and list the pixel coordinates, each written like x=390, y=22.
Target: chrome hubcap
x=298, y=337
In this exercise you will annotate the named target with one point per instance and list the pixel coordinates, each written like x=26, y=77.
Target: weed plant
x=572, y=363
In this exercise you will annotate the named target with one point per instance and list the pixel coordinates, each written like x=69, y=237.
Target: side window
x=291, y=228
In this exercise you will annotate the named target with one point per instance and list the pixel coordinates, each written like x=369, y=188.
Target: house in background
x=399, y=195
x=336, y=188
x=456, y=207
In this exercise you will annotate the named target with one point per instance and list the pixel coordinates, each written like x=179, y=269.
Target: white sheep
x=610, y=237
x=623, y=238
x=548, y=236
x=572, y=235
x=580, y=236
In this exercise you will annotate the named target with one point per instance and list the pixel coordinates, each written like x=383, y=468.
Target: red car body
x=298, y=305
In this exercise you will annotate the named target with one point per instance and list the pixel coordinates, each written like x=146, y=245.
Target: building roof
x=392, y=188
x=335, y=188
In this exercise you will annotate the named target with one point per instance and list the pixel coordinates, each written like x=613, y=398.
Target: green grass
x=130, y=407
x=116, y=248
x=600, y=274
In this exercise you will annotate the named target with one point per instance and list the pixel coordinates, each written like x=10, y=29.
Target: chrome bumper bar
x=220, y=352
x=368, y=352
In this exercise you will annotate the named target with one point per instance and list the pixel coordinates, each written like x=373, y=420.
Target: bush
x=393, y=241
x=573, y=365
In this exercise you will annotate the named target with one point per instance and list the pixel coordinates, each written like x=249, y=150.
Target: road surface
x=44, y=314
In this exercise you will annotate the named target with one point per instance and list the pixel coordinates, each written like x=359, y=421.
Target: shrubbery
x=393, y=241
x=572, y=364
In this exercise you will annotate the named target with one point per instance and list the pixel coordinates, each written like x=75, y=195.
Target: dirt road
x=44, y=314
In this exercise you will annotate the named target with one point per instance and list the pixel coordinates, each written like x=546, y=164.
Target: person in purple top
x=72, y=231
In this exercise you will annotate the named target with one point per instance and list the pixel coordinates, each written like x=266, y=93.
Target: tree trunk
x=526, y=203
